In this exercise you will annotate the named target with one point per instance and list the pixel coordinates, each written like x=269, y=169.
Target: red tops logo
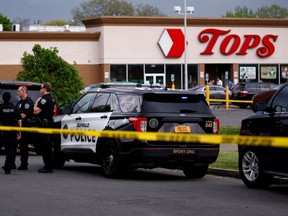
x=233, y=43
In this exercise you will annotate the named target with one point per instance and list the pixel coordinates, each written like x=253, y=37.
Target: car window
x=265, y=86
x=239, y=87
x=33, y=92
x=253, y=87
x=174, y=103
x=219, y=89
x=102, y=103
x=280, y=102
x=82, y=106
x=212, y=88
x=129, y=103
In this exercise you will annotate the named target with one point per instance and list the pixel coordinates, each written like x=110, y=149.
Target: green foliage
x=7, y=25
x=239, y=12
x=112, y=8
x=44, y=65
x=57, y=23
x=147, y=10
x=226, y=160
x=229, y=130
x=274, y=11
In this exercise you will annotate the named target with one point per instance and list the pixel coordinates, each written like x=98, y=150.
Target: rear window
x=253, y=87
x=33, y=91
x=239, y=87
x=174, y=103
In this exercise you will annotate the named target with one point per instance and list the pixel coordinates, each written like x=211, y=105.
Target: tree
x=274, y=11
x=24, y=22
x=239, y=12
x=112, y=8
x=44, y=65
x=7, y=25
x=147, y=10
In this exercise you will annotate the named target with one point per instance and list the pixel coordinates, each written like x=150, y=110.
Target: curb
x=224, y=172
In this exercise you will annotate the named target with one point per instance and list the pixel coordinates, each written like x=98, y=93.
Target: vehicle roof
x=254, y=83
x=142, y=90
x=18, y=83
x=120, y=84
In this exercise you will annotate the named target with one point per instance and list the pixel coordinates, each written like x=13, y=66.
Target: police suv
x=141, y=110
x=260, y=164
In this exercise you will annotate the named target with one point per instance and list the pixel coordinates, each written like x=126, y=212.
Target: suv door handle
x=78, y=118
x=105, y=116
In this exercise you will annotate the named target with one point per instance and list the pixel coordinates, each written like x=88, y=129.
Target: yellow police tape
x=153, y=136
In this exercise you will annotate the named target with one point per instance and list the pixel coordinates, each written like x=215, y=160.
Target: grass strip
x=227, y=159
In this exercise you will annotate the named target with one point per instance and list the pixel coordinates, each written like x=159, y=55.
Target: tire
x=251, y=170
x=110, y=160
x=195, y=172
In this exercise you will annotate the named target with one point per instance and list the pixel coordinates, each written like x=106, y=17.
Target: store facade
x=151, y=50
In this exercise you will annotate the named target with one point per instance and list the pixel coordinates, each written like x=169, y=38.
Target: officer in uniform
x=25, y=106
x=9, y=116
x=44, y=109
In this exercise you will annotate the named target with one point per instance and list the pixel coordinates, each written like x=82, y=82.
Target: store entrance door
x=154, y=78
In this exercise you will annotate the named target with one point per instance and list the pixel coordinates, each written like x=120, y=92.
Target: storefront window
x=268, y=73
x=118, y=73
x=248, y=73
x=135, y=73
x=154, y=68
x=192, y=75
x=284, y=73
x=173, y=71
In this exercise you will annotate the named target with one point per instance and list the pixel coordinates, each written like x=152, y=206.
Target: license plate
x=182, y=129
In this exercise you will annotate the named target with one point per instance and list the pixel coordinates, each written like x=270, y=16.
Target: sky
x=46, y=10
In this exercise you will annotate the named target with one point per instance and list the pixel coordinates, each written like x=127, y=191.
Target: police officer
x=25, y=106
x=9, y=116
x=43, y=109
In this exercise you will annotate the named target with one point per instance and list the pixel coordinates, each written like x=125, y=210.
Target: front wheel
x=194, y=172
x=110, y=160
x=251, y=170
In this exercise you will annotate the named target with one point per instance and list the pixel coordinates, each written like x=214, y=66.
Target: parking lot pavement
x=230, y=117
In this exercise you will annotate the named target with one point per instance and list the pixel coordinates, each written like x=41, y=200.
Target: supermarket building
x=151, y=50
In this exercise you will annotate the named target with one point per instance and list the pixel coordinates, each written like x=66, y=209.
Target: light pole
x=189, y=10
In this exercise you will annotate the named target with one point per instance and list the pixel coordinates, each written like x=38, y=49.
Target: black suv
x=141, y=110
x=258, y=164
x=244, y=91
x=33, y=92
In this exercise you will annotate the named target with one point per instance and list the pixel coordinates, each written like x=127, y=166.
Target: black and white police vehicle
x=141, y=110
x=259, y=165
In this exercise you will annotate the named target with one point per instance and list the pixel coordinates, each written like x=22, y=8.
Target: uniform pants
x=10, y=142
x=47, y=152
x=24, y=150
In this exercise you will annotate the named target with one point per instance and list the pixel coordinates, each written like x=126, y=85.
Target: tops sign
x=172, y=43
x=234, y=44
